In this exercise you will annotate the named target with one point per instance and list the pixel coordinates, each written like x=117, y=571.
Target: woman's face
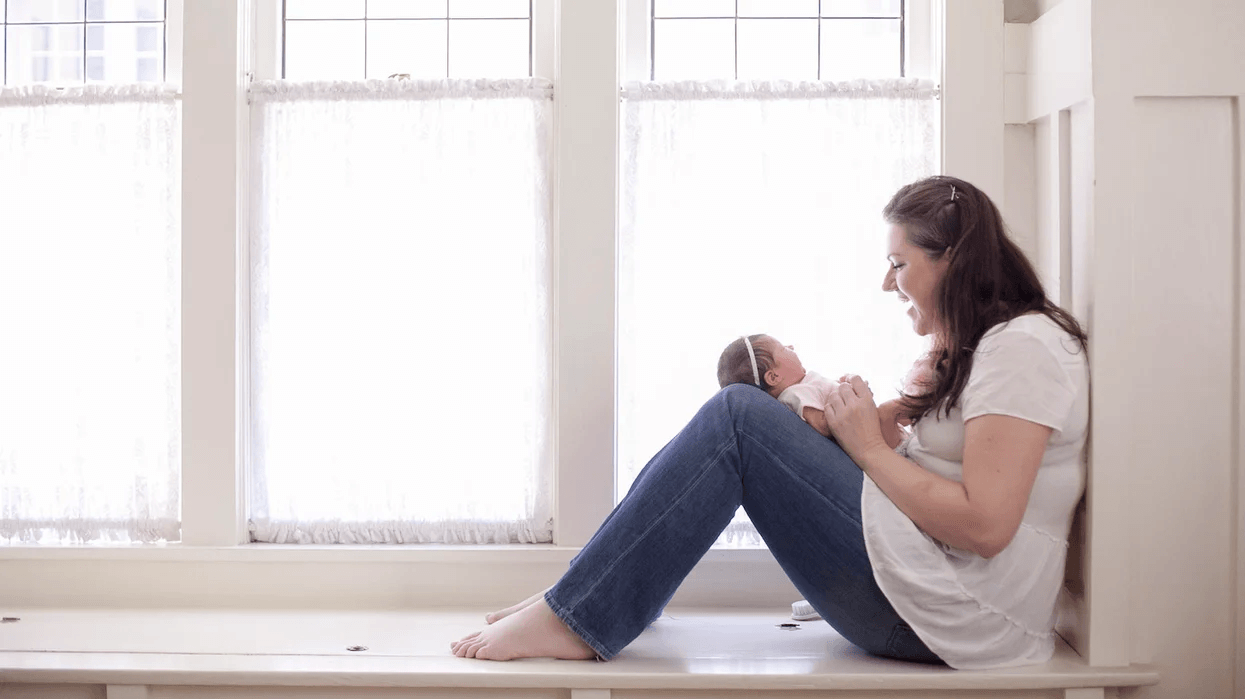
x=915, y=278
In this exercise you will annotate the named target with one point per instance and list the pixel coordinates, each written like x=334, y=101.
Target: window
x=783, y=39
x=356, y=39
x=75, y=41
x=390, y=318
x=344, y=248
x=756, y=209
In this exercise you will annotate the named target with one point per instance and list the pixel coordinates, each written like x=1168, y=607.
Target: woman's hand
x=853, y=418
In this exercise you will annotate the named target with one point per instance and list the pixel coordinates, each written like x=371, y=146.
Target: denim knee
x=739, y=395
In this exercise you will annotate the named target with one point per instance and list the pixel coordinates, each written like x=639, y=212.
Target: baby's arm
x=817, y=420
x=890, y=417
x=807, y=399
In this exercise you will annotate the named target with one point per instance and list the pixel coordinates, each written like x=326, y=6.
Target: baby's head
x=760, y=360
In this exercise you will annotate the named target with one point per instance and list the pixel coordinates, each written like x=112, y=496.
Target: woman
x=952, y=550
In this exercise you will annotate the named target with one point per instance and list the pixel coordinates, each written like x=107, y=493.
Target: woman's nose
x=888, y=282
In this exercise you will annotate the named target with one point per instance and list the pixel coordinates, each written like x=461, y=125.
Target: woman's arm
x=1001, y=458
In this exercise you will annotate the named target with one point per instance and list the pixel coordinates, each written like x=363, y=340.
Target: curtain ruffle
x=362, y=90
x=400, y=532
x=894, y=88
x=87, y=94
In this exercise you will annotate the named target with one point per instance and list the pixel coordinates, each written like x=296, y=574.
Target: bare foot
x=532, y=632
x=494, y=617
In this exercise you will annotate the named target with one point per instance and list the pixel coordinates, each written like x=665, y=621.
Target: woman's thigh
x=802, y=492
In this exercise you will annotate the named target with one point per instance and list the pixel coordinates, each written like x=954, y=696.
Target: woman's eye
x=896, y=267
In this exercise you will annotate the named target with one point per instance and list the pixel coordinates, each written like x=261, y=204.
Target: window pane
x=45, y=11
x=860, y=8
x=483, y=48
x=416, y=47
x=686, y=49
x=859, y=48
x=125, y=52
x=777, y=8
x=489, y=8
x=133, y=10
x=406, y=9
x=778, y=48
x=324, y=50
x=44, y=53
x=693, y=8
x=324, y=9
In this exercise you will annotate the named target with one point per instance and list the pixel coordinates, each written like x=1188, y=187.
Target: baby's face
x=787, y=370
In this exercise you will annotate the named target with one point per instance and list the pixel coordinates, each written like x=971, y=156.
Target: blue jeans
x=802, y=493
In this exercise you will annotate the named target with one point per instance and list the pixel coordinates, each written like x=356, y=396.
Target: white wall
x=1019, y=205
x=1138, y=223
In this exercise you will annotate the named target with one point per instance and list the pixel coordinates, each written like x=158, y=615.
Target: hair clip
x=952, y=192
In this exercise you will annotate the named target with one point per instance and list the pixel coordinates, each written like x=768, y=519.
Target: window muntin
x=430, y=39
x=75, y=41
x=776, y=39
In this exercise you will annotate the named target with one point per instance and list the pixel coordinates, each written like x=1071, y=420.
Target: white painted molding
x=213, y=212
x=585, y=225
x=1238, y=447
x=1112, y=323
x=1059, y=67
x=345, y=579
x=1016, y=99
x=973, y=94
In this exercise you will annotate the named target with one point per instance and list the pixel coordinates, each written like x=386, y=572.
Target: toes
x=460, y=646
x=473, y=648
x=488, y=652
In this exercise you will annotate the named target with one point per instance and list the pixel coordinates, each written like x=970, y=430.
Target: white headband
x=756, y=375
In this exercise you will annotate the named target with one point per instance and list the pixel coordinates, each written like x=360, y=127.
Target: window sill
x=292, y=553
x=262, y=576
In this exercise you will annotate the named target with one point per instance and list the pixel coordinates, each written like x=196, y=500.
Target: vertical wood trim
x=973, y=99
x=585, y=224
x=1113, y=323
x=1238, y=403
x=1061, y=146
x=544, y=30
x=213, y=120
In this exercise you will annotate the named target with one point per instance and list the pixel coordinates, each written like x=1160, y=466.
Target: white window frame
x=226, y=44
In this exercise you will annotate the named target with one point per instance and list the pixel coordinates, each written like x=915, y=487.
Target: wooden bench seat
x=131, y=654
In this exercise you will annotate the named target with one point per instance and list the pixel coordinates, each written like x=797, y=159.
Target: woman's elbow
x=991, y=542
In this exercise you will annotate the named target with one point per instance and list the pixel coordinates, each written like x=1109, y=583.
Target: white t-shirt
x=974, y=612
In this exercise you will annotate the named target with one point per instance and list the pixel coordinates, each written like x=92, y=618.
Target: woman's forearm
x=939, y=506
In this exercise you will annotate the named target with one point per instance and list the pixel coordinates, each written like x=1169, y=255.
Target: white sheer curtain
x=756, y=208
x=90, y=298
x=400, y=312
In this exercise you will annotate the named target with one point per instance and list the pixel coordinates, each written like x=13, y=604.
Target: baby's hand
x=890, y=417
x=920, y=377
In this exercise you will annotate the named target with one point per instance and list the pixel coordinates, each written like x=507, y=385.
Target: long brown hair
x=988, y=279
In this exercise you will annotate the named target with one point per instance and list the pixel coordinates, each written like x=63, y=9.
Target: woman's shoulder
x=1026, y=329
